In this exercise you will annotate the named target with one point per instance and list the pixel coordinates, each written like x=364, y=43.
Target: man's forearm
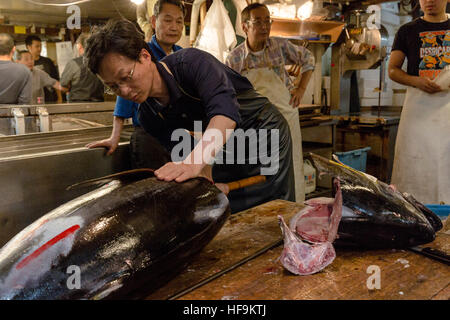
x=400, y=76
x=64, y=89
x=117, y=128
x=303, y=79
x=208, y=147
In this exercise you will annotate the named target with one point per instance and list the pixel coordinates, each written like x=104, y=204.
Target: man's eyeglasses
x=261, y=23
x=115, y=88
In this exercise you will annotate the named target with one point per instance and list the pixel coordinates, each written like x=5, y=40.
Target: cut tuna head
x=308, y=241
x=319, y=220
x=301, y=257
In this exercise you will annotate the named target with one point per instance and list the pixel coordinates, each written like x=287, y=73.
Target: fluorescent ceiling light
x=137, y=1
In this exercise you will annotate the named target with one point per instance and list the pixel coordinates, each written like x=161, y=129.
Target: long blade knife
x=432, y=253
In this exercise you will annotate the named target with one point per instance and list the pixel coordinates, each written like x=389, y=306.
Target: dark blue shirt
x=157, y=51
x=128, y=109
x=201, y=84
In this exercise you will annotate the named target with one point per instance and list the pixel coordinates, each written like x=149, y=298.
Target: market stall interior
x=349, y=118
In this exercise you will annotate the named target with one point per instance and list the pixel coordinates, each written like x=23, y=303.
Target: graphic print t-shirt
x=426, y=46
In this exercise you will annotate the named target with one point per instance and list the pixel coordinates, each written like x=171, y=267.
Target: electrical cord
x=57, y=4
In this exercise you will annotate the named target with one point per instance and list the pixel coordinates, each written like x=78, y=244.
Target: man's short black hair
x=6, y=44
x=245, y=14
x=159, y=4
x=119, y=36
x=29, y=40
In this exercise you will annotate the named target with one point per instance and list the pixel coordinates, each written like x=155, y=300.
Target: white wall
x=368, y=80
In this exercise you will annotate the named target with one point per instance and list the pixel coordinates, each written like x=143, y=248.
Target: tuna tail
x=434, y=220
x=124, y=176
x=335, y=158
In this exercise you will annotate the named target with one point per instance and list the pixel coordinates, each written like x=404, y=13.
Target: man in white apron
x=263, y=60
x=422, y=150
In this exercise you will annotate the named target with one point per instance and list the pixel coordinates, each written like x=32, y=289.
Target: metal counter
x=36, y=169
x=24, y=119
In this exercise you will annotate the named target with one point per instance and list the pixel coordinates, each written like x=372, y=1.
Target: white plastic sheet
x=64, y=53
x=217, y=37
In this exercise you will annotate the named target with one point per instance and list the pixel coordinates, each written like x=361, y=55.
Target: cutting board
x=244, y=234
x=402, y=274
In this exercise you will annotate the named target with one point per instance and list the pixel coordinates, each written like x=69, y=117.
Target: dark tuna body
x=127, y=238
x=375, y=222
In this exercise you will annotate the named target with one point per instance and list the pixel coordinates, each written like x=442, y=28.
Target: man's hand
x=297, y=93
x=179, y=171
x=426, y=85
x=223, y=187
x=296, y=96
x=205, y=150
x=110, y=144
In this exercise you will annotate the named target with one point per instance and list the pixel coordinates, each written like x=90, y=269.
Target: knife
x=432, y=253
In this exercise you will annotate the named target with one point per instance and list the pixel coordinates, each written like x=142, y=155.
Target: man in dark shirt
x=190, y=87
x=34, y=45
x=78, y=80
x=422, y=148
x=425, y=43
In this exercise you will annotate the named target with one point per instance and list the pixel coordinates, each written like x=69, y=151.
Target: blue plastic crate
x=442, y=210
x=357, y=159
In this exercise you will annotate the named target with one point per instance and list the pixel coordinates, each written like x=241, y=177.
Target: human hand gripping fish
x=198, y=162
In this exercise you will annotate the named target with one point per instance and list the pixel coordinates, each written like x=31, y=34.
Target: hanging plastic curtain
x=217, y=37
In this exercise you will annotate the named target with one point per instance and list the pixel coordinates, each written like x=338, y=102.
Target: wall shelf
x=296, y=27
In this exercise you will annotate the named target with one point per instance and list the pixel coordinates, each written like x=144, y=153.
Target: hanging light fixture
x=138, y=2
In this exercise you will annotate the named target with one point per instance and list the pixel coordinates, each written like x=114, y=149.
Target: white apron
x=422, y=149
x=269, y=84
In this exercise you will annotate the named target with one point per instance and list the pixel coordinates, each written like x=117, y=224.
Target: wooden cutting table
x=241, y=262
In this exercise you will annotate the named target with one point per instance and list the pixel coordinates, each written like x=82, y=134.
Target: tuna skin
x=132, y=237
x=376, y=215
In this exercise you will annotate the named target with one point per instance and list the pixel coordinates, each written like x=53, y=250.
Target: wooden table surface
x=233, y=271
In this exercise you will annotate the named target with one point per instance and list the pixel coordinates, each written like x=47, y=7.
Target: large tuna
x=375, y=214
x=125, y=238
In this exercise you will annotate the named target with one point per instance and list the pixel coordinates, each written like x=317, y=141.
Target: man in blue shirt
x=190, y=89
x=168, y=23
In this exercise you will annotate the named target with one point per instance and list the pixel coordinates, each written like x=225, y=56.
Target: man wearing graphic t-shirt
x=425, y=42
x=422, y=148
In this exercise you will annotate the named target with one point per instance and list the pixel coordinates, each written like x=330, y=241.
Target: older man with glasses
x=168, y=23
x=263, y=61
